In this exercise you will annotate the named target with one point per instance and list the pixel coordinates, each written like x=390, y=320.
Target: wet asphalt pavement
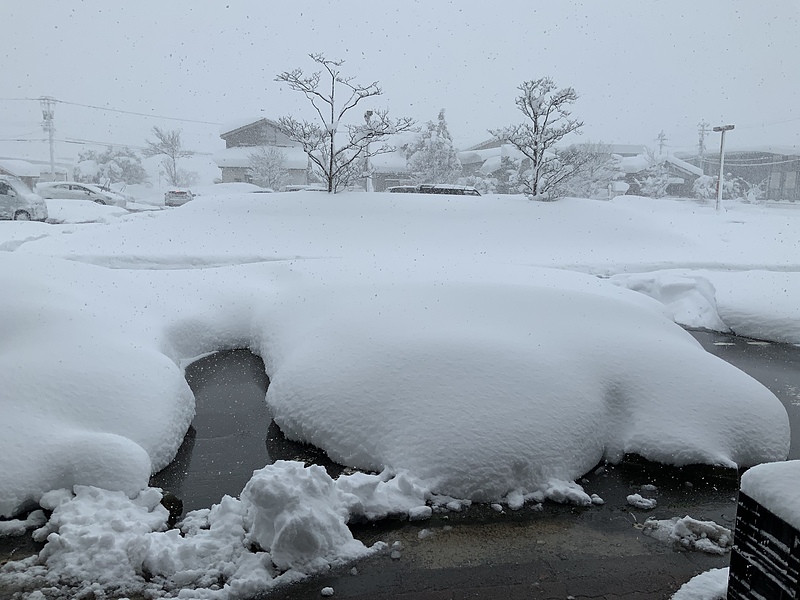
x=556, y=552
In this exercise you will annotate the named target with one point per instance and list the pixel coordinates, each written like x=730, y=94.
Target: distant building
x=776, y=169
x=245, y=136
x=681, y=173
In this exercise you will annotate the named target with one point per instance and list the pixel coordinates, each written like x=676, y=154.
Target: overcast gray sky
x=640, y=67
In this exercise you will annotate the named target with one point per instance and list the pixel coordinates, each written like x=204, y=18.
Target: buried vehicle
x=19, y=203
x=72, y=190
x=440, y=188
x=178, y=197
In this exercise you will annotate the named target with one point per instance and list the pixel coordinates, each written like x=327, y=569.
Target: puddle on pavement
x=232, y=433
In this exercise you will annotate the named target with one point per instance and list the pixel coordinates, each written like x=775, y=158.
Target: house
x=244, y=137
x=681, y=173
x=775, y=169
x=485, y=158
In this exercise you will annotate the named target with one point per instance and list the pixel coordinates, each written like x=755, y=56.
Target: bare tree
x=168, y=144
x=266, y=167
x=549, y=121
x=338, y=164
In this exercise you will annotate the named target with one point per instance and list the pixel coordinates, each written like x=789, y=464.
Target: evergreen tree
x=432, y=157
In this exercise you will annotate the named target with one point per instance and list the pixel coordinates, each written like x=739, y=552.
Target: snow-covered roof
x=790, y=150
x=20, y=168
x=682, y=164
x=240, y=157
x=391, y=162
x=633, y=164
x=239, y=123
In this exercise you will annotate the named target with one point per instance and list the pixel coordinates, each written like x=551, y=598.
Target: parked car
x=19, y=203
x=440, y=188
x=178, y=197
x=403, y=189
x=72, y=190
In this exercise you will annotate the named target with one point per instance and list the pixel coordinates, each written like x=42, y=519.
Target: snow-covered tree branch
x=337, y=164
x=432, y=157
x=266, y=167
x=169, y=144
x=549, y=121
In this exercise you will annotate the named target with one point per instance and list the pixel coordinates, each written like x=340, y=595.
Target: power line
x=768, y=124
x=130, y=112
x=118, y=110
x=761, y=164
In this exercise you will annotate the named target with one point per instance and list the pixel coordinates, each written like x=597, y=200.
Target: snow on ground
x=711, y=585
x=464, y=347
x=294, y=516
x=691, y=534
x=81, y=211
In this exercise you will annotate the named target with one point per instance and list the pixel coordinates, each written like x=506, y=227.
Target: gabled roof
x=233, y=127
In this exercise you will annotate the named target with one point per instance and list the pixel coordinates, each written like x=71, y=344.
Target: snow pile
x=711, y=585
x=82, y=211
x=776, y=487
x=691, y=534
x=291, y=522
x=103, y=405
x=510, y=387
x=639, y=501
x=517, y=383
x=690, y=300
x=16, y=527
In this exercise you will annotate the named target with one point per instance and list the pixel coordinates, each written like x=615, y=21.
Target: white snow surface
x=81, y=211
x=691, y=534
x=463, y=347
x=295, y=517
x=775, y=487
x=709, y=585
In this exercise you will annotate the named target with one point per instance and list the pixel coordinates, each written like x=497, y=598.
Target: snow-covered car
x=177, y=197
x=19, y=203
x=72, y=190
x=403, y=189
x=441, y=188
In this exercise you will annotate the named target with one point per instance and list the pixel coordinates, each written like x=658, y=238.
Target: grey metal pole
x=721, y=129
x=48, y=124
x=368, y=183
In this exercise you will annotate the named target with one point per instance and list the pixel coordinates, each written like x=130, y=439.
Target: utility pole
x=48, y=124
x=722, y=129
x=662, y=139
x=703, y=132
x=368, y=183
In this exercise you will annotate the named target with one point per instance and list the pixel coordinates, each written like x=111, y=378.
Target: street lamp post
x=722, y=129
